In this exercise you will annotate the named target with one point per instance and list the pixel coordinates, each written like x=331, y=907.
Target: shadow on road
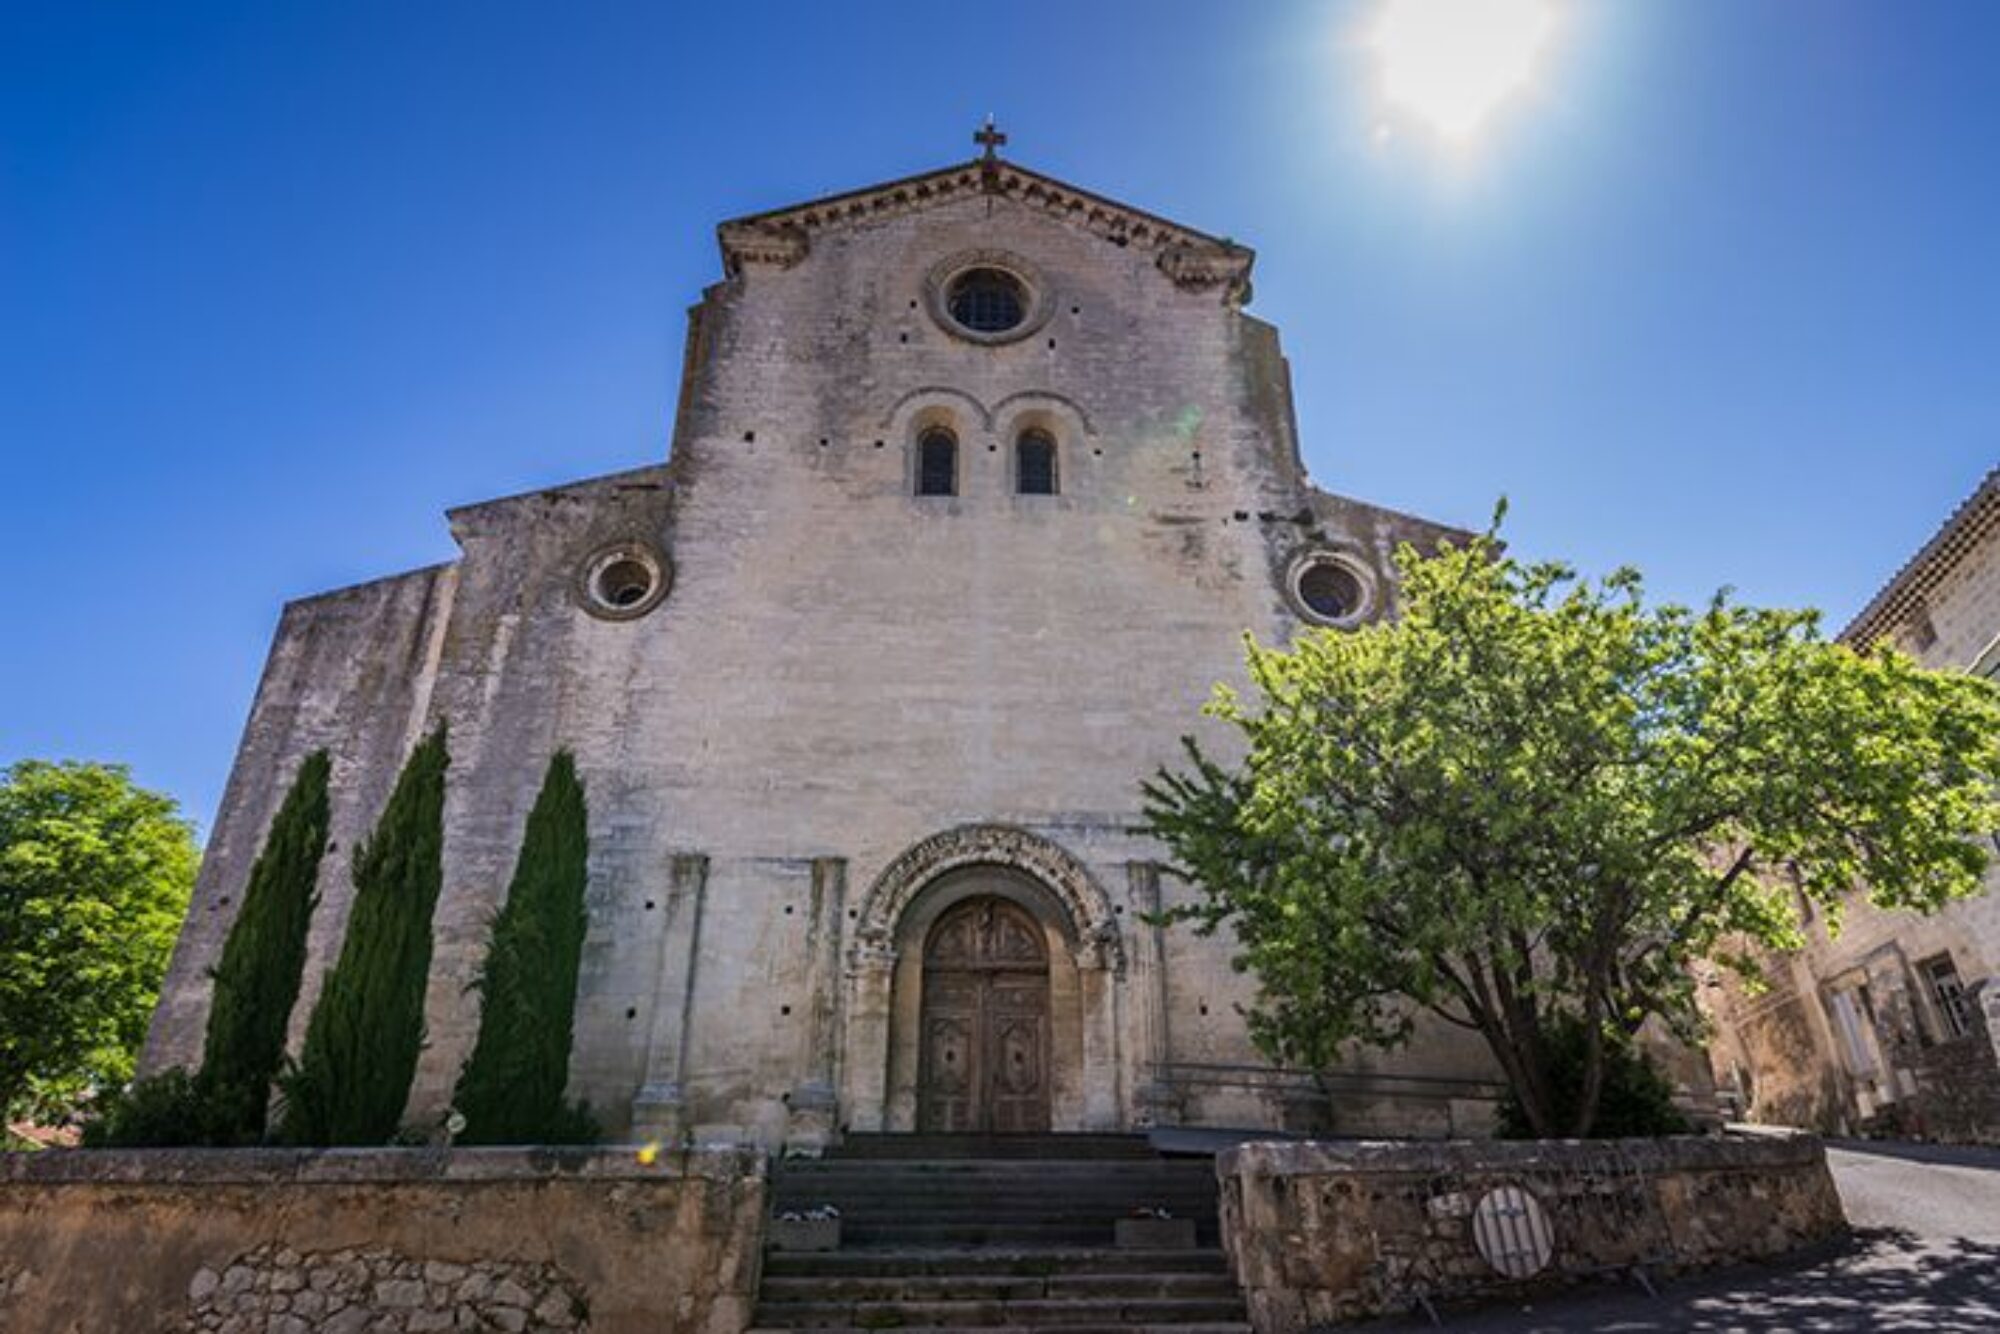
x=1881, y=1279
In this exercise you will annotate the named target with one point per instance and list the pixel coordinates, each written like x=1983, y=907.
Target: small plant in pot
x=814, y=1229
x=1152, y=1228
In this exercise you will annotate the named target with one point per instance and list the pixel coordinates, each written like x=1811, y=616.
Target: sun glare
x=1451, y=62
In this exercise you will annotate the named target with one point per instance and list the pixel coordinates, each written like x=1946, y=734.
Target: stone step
x=1106, y=1204
x=1103, y=1179
x=895, y=1189
x=980, y=1234
x=992, y=1287
x=1121, y=1194
x=1020, y=1237
x=1095, y=1147
x=855, y=1221
x=1101, y=1183
x=1034, y=1262
x=998, y=1166
x=974, y=1202
x=1226, y=1327
x=1039, y=1313
x=1125, y=1194
x=792, y=1179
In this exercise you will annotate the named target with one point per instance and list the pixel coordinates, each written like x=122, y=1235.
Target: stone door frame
x=885, y=973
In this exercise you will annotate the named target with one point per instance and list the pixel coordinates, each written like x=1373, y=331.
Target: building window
x=987, y=296
x=623, y=584
x=937, y=463
x=987, y=301
x=1331, y=588
x=1853, y=1022
x=624, y=580
x=1035, y=464
x=1954, y=1007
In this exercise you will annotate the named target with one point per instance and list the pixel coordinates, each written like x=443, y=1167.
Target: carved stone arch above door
x=1095, y=925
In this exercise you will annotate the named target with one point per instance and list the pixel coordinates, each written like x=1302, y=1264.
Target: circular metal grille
x=1512, y=1232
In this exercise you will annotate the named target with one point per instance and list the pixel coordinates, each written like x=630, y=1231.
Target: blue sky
x=1718, y=297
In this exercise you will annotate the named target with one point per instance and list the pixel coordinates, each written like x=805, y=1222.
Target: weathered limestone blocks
x=1319, y=1233
x=379, y=1241
x=275, y=1288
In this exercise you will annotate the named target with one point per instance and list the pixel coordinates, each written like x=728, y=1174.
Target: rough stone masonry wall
x=1319, y=1233
x=378, y=1241
x=1958, y=1080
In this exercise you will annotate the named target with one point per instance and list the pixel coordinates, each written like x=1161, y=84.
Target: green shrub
x=511, y=1090
x=168, y=1110
x=1636, y=1099
x=257, y=981
x=361, y=1044
x=574, y=1123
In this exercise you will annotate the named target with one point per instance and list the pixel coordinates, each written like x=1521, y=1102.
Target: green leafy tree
x=1533, y=801
x=511, y=1090
x=95, y=874
x=361, y=1043
x=257, y=980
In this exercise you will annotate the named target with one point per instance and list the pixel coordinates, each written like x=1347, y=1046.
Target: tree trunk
x=1520, y=1058
x=1593, y=1070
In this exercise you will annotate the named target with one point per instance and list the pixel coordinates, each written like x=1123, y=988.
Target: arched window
x=1035, y=464
x=937, y=463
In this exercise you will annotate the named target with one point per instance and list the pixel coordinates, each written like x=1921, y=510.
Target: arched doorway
x=883, y=1062
x=984, y=1062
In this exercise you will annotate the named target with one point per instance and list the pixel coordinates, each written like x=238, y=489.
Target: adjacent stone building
x=1893, y=1023
x=977, y=481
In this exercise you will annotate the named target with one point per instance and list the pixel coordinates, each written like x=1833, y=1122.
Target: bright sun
x=1452, y=62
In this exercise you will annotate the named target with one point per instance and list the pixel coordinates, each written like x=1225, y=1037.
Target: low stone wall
x=386, y=1241
x=1958, y=1083
x=1322, y=1232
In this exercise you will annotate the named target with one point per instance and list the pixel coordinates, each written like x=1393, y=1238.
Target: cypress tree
x=258, y=979
x=511, y=1090
x=361, y=1044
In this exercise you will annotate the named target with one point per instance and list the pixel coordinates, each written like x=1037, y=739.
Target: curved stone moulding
x=1088, y=907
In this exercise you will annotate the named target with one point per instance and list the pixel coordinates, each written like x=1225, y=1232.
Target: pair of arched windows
x=1034, y=463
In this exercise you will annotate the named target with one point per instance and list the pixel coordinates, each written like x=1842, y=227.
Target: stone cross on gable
x=989, y=139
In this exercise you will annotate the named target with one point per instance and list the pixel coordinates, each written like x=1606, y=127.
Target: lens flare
x=1451, y=62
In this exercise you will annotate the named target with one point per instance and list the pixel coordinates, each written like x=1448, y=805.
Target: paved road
x=1925, y=1257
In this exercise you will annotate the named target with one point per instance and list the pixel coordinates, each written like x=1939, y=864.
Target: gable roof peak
x=1193, y=259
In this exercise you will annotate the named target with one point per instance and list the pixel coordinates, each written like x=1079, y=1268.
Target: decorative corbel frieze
x=1199, y=268
x=780, y=245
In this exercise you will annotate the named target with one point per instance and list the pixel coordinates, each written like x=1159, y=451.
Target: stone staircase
x=1000, y=1232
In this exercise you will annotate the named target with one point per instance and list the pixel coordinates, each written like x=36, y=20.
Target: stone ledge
x=1677, y=1153
x=127, y=1167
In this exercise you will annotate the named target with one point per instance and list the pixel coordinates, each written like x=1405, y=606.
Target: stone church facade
x=977, y=481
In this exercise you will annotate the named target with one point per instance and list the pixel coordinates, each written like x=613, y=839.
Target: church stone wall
x=350, y=671
x=841, y=670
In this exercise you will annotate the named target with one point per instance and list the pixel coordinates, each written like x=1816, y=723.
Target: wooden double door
x=985, y=1057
